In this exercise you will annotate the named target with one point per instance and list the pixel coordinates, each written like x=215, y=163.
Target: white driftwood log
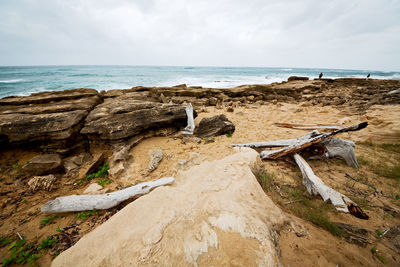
x=190, y=120
x=103, y=201
x=315, y=186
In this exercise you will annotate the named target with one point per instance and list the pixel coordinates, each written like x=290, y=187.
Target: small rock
x=250, y=97
x=42, y=183
x=213, y=101
x=214, y=126
x=156, y=155
x=230, y=109
x=94, y=189
x=43, y=164
x=190, y=139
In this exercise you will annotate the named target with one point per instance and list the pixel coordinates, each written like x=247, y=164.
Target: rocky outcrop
x=193, y=222
x=156, y=155
x=43, y=164
x=51, y=119
x=297, y=78
x=120, y=118
x=214, y=126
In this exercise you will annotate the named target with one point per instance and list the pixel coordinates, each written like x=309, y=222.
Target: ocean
x=24, y=80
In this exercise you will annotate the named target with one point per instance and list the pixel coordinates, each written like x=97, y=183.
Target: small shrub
x=382, y=259
x=48, y=242
x=228, y=135
x=48, y=220
x=373, y=250
x=103, y=170
x=84, y=215
x=104, y=182
x=21, y=253
x=15, y=165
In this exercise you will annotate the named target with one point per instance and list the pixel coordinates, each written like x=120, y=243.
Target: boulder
x=43, y=164
x=42, y=183
x=214, y=126
x=95, y=189
x=120, y=118
x=215, y=214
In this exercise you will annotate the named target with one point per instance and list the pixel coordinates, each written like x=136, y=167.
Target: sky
x=357, y=34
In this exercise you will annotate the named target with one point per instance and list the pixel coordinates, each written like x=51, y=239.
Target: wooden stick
x=308, y=127
x=304, y=143
x=278, y=143
x=315, y=186
x=104, y=201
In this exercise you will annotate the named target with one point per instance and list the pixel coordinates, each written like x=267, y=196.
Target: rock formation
x=196, y=221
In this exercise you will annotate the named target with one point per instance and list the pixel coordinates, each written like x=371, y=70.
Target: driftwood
x=309, y=127
x=103, y=201
x=341, y=148
x=278, y=143
x=304, y=142
x=315, y=186
x=189, y=129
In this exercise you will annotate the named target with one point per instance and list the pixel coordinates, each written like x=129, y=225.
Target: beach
x=87, y=129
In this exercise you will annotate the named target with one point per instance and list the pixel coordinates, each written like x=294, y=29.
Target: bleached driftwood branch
x=315, y=186
x=341, y=148
x=308, y=127
x=278, y=143
x=190, y=120
x=304, y=142
x=103, y=201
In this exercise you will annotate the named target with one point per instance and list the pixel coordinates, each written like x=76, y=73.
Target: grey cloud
x=309, y=33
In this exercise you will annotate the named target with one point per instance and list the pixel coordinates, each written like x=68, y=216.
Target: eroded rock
x=214, y=126
x=121, y=118
x=43, y=164
x=210, y=207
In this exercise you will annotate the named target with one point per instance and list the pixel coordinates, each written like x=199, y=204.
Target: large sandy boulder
x=215, y=214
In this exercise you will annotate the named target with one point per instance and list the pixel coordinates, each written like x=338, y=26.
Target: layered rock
x=193, y=222
x=52, y=119
x=122, y=117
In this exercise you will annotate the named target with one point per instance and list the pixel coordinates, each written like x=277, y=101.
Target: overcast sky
x=357, y=34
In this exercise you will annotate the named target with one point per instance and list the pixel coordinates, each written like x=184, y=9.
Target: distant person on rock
x=320, y=75
x=369, y=75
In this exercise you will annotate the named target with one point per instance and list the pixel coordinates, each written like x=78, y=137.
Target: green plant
x=373, y=250
x=24, y=200
x=397, y=197
x=58, y=229
x=379, y=233
x=382, y=259
x=228, y=135
x=84, y=215
x=104, y=182
x=103, y=170
x=48, y=220
x=21, y=253
x=48, y=242
x=391, y=147
x=27, y=162
x=15, y=165
x=4, y=241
